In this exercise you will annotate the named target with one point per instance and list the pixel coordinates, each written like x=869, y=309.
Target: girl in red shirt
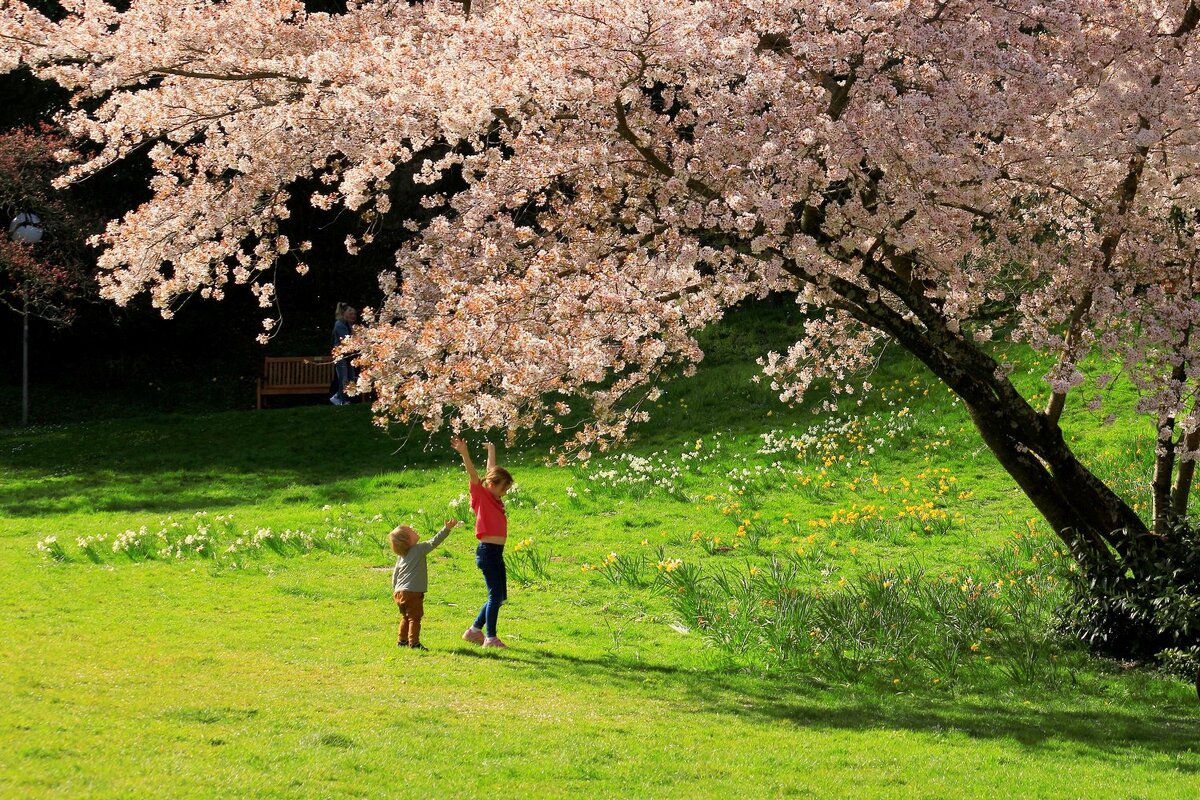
x=491, y=529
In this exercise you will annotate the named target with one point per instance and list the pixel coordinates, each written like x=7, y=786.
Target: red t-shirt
x=490, y=519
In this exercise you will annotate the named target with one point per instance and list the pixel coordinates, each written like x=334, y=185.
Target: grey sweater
x=411, y=573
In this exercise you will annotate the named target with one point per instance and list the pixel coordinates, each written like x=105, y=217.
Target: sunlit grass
x=269, y=669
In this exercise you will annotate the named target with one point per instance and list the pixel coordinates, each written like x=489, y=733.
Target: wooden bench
x=295, y=375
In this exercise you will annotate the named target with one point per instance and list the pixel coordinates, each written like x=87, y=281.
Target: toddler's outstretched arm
x=491, y=451
x=441, y=535
x=461, y=448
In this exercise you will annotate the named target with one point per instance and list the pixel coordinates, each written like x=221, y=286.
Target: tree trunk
x=1101, y=530
x=1164, y=454
x=25, y=364
x=1164, y=465
x=1098, y=526
x=1058, y=400
x=1183, y=478
x=1049, y=499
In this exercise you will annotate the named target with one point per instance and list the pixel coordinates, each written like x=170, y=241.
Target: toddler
x=410, y=579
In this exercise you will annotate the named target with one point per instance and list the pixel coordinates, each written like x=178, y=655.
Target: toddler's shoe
x=419, y=646
x=494, y=641
x=401, y=644
x=472, y=635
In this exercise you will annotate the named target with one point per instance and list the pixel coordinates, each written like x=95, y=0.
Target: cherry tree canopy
x=939, y=172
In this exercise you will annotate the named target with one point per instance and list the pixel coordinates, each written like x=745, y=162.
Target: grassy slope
x=280, y=680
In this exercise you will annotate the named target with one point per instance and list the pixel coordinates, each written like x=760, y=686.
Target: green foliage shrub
x=1151, y=611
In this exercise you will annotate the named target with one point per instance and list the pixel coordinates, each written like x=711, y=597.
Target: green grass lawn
x=260, y=673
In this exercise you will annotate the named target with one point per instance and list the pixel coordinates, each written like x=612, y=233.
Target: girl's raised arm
x=461, y=448
x=491, y=451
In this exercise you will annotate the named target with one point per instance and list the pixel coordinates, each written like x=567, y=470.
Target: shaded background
x=114, y=360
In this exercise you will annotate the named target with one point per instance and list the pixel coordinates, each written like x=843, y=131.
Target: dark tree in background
x=45, y=270
x=48, y=279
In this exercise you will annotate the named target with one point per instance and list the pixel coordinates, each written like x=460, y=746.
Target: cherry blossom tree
x=940, y=173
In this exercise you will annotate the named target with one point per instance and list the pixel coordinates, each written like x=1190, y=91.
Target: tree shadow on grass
x=183, y=491
x=175, y=462
x=1108, y=733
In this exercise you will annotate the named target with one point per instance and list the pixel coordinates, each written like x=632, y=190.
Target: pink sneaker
x=472, y=635
x=494, y=641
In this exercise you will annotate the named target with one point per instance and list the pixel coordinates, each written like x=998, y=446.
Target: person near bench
x=343, y=372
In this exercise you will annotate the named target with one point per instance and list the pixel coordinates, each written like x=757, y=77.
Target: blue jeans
x=490, y=560
x=344, y=372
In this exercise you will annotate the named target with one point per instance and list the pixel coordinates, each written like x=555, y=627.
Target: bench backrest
x=297, y=371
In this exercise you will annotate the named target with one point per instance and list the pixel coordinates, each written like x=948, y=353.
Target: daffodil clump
x=217, y=537
x=663, y=472
x=528, y=563
x=899, y=626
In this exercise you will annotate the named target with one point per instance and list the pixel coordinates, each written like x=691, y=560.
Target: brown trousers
x=412, y=608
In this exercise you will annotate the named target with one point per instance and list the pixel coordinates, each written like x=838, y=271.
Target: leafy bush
x=1151, y=611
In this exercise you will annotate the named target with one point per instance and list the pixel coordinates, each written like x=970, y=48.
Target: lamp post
x=25, y=227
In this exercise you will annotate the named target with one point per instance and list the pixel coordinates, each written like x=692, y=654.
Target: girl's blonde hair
x=498, y=476
x=398, y=539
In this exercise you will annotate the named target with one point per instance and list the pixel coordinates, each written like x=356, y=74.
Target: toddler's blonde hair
x=398, y=539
